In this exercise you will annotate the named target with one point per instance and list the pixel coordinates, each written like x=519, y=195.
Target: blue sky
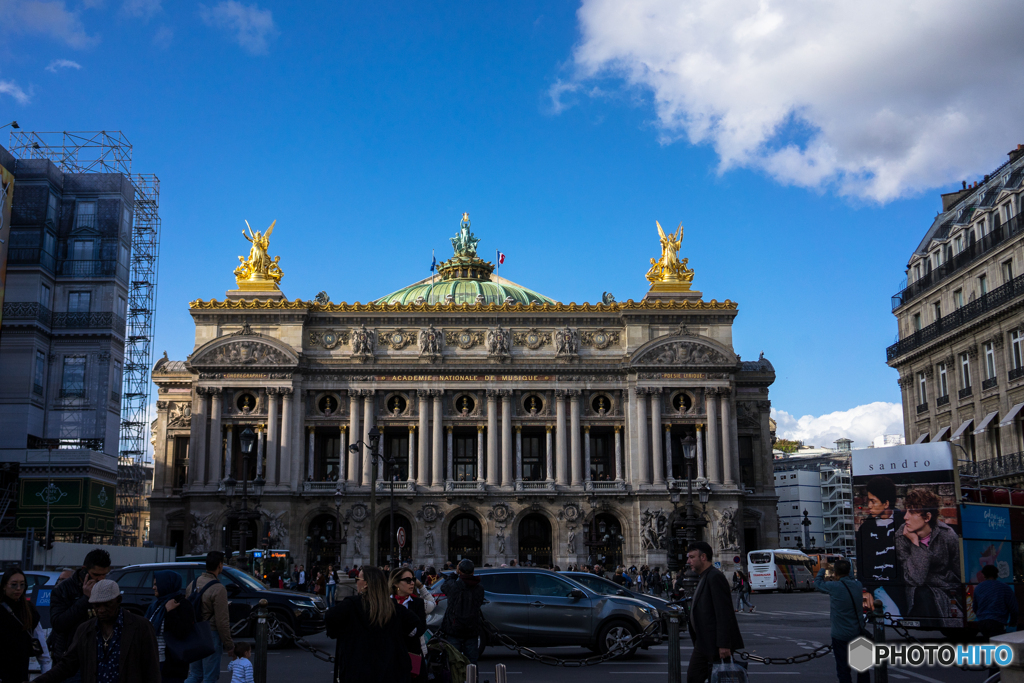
x=366, y=129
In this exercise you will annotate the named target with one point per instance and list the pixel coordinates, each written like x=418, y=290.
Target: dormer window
x=85, y=218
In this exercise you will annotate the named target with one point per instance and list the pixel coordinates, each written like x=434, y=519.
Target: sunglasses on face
x=407, y=579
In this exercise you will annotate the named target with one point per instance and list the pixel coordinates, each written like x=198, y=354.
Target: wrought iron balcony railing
x=942, y=401
x=1000, y=466
x=965, y=392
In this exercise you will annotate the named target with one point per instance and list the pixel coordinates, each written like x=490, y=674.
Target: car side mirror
x=577, y=594
x=622, y=593
x=234, y=589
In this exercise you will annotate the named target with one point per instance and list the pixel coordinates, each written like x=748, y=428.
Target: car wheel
x=276, y=635
x=616, y=632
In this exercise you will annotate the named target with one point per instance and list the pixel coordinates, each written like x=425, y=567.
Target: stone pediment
x=244, y=351
x=682, y=351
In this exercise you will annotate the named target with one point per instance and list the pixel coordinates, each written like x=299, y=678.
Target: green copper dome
x=465, y=291
x=465, y=277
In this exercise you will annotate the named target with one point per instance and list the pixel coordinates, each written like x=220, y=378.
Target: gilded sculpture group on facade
x=669, y=269
x=259, y=268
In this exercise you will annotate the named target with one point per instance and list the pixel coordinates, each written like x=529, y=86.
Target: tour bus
x=904, y=494
x=783, y=569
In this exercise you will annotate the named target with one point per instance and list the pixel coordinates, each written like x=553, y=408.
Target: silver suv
x=541, y=607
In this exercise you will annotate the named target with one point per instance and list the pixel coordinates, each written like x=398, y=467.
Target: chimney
x=965, y=184
x=1016, y=153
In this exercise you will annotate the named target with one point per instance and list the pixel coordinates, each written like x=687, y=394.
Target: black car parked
x=302, y=612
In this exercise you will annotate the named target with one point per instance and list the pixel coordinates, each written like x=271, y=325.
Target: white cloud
x=877, y=99
x=143, y=9
x=253, y=27
x=14, y=90
x=62, y=64
x=860, y=424
x=48, y=18
x=163, y=37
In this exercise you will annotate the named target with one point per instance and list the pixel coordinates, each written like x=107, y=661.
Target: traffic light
x=48, y=543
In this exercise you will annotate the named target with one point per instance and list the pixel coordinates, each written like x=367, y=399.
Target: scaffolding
x=111, y=152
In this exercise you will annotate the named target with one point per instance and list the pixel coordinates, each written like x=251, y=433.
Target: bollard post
x=471, y=673
x=675, y=665
x=500, y=676
x=259, y=651
x=881, y=672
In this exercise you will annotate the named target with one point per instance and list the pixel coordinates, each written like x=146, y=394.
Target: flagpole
x=433, y=260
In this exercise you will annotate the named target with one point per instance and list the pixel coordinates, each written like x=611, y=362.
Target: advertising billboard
x=907, y=523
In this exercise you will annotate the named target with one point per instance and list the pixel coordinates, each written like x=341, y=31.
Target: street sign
x=401, y=537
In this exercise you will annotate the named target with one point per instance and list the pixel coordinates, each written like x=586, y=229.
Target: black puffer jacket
x=69, y=609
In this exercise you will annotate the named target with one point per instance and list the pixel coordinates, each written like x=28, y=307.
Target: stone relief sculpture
x=567, y=342
x=498, y=342
x=499, y=536
x=357, y=542
x=428, y=541
x=200, y=539
x=249, y=352
x=649, y=539
x=362, y=342
x=277, y=530
x=180, y=415
x=726, y=534
x=430, y=342
x=571, y=545
x=682, y=353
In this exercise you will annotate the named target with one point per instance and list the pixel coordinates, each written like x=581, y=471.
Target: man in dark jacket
x=713, y=628
x=114, y=646
x=69, y=601
x=462, y=617
x=846, y=605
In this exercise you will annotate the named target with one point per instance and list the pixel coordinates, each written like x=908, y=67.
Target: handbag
x=36, y=648
x=417, y=663
x=857, y=613
x=728, y=671
x=197, y=645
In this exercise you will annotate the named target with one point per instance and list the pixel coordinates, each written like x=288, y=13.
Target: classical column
x=352, y=473
x=507, y=461
x=586, y=454
x=549, y=472
x=228, y=446
x=343, y=455
x=423, y=468
x=273, y=436
x=561, y=456
x=656, y=439
x=493, y=475
x=574, y=437
x=700, y=453
x=412, y=455
x=437, y=477
x=197, y=439
x=728, y=459
x=668, y=453
x=261, y=440
x=450, y=474
x=519, y=456
x=310, y=465
x=286, y=432
x=217, y=439
x=368, y=401
x=641, y=438
x=479, y=453
x=165, y=458
x=714, y=455
x=618, y=453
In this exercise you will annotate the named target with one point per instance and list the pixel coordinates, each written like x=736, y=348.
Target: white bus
x=783, y=569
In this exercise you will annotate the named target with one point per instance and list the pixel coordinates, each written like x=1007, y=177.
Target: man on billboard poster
x=929, y=552
x=877, y=563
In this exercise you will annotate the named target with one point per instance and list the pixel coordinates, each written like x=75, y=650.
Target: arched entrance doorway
x=384, y=541
x=603, y=534
x=535, y=540
x=465, y=540
x=323, y=544
x=240, y=540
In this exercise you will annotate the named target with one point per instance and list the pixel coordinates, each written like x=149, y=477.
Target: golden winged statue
x=259, y=267
x=669, y=269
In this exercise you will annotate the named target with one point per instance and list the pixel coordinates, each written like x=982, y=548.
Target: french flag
x=501, y=258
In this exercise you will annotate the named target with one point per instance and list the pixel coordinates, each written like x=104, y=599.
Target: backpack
x=464, y=613
x=195, y=598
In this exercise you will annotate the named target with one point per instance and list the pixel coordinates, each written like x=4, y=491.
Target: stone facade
x=545, y=433
x=959, y=354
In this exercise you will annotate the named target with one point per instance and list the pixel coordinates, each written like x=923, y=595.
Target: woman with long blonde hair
x=371, y=633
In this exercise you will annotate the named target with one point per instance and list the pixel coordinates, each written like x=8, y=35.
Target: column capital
x=480, y=429
x=548, y=428
x=285, y=391
x=700, y=426
x=560, y=393
x=412, y=428
x=505, y=394
x=573, y=394
x=310, y=429
x=668, y=427
x=519, y=429
x=725, y=391
x=617, y=428
x=423, y=393
x=450, y=429
x=162, y=405
x=230, y=427
x=711, y=391
x=344, y=428
x=437, y=394
x=492, y=394
x=586, y=429
x=654, y=391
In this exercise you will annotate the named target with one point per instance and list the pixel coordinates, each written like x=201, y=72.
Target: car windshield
x=244, y=579
x=598, y=585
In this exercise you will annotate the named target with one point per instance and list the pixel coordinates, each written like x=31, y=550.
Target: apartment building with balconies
x=960, y=316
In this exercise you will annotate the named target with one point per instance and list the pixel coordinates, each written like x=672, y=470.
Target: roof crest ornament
x=465, y=242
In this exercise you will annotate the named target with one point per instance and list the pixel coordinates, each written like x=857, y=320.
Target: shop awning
x=943, y=433
x=961, y=429
x=922, y=439
x=1012, y=415
x=985, y=423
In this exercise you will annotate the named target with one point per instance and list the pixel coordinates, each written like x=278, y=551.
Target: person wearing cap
x=462, y=619
x=115, y=646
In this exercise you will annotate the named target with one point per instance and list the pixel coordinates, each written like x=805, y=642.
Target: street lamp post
x=371, y=449
x=243, y=513
x=692, y=522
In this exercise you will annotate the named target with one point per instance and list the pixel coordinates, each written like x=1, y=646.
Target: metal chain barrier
x=527, y=653
x=796, y=659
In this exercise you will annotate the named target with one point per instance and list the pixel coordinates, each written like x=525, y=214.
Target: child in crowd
x=240, y=666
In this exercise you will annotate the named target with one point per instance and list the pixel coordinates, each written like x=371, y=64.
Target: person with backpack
x=209, y=599
x=170, y=613
x=847, y=616
x=463, y=620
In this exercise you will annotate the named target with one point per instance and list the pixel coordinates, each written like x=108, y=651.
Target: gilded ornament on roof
x=259, y=272
x=668, y=273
